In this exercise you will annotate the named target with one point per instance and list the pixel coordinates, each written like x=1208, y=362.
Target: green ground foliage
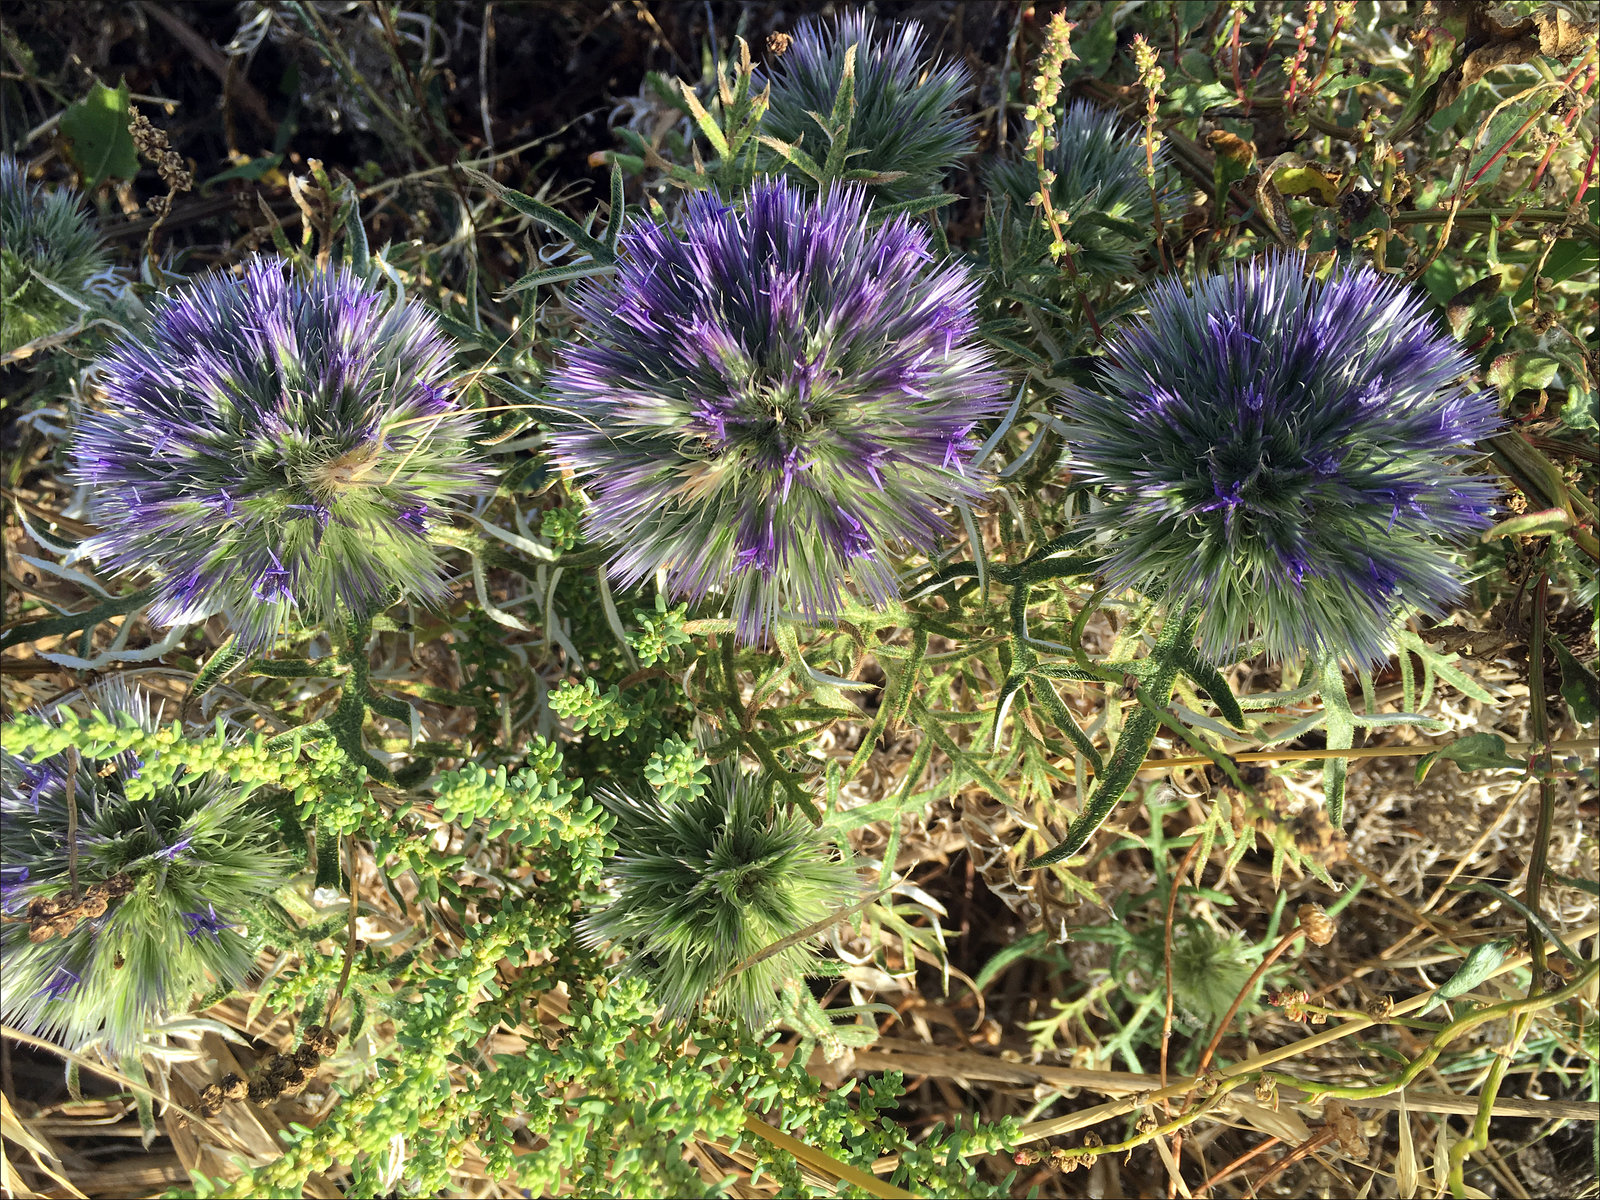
x=995, y=888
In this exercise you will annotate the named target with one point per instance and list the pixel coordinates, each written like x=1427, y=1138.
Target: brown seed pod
x=1319, y=926
x=295, y=1082
x=211, y=1099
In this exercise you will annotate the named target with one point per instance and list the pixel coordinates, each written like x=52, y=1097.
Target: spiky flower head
x=278, y=442
x=1100, y=192
x=45, y=238
x=1282, y=452
x=163, y=884
x=905, y=121
x=1209, y=968
x=775, y=398
x=709, y=876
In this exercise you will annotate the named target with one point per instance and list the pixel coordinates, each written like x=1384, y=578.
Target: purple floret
x=1286, y=453
x=269, y=445
x=774, y=398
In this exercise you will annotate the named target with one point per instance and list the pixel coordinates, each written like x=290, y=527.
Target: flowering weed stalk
x=1100, y=197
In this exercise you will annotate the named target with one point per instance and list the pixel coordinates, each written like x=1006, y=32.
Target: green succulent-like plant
x=47, y=242
x=709, y=876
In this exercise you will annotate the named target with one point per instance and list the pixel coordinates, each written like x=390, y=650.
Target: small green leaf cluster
x=537, y=805
x=316, y=773
x=605, y=715
x=678, y=771
x=662, y=632
x=562, y=527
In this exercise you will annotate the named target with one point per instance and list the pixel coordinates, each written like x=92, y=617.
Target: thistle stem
x=350, y=645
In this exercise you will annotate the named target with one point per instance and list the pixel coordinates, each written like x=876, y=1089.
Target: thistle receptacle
x=46, y=239
x=708, y=877
x=905, y=125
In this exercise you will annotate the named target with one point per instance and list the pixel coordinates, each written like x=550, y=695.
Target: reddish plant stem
x=1221, y=1174
x=1233, y=48
x=1273, y=956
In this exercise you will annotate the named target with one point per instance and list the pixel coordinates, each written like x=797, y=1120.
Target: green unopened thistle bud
x=47, y=242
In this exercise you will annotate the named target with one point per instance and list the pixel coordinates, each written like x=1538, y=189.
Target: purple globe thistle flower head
x=773, y=401
x=278, y=443
x=904, y=118
x=1282, y=452
x=164, y=882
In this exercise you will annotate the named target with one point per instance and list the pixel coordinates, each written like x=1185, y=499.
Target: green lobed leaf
x=1580, y=688
x=1475, y=752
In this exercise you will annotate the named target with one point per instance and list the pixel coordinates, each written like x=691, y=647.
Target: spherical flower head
x=905, y=119
x=709, y=879
x=1209, y=968
x=772, y=400
x=1100, y=193
x=163, y=883
x=279, y=442
x=1281, y=452
x=45, y=238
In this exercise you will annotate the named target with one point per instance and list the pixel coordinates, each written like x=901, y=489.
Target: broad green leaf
x=96, y=129
x=1479, y=965
x=1567, y=258
x=1579, y=686
x=1504, y=129
x=1475, y=752
x=1529, y=369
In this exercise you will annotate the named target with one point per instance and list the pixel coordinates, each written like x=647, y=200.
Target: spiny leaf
x=1211, y=681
